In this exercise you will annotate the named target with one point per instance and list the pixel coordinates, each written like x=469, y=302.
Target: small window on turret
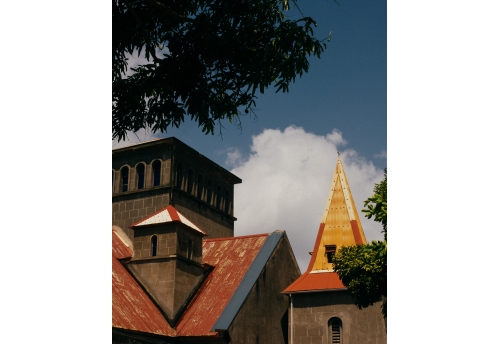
x=190, y=249
x=154, y=245
x=330, y=252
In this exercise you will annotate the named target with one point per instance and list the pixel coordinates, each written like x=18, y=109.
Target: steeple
x=340, y=224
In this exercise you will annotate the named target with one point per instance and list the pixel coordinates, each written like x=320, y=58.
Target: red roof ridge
x=316, y=246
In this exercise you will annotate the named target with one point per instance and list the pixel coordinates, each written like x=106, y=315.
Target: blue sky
x=345, y=89
x=339, y=105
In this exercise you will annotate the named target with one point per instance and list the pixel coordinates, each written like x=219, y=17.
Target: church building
x=179, y=275
x=321, y=310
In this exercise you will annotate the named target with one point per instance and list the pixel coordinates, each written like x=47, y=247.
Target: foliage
x=363, y=268
x=206, y=59
x=379, y=207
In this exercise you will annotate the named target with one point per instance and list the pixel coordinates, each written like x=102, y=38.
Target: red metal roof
x=132, y=308
x=318, y=281
x=120, y=249
x=315, y=280
x=231, y=259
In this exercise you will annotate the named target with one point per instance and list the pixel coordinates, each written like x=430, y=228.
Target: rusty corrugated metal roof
x=120, y=247
x=165, y=215
x=132, y=309
x=231, y=259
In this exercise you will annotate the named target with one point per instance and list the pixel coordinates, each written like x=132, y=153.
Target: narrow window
x=227, y=201
x=113, y=182
x=190, y=249
x=335, y=325
x=156, y=172
x=200, y=186
x=330, y=252
x=209, y=192
x=219, y=197
x=190, y=182
x=154, y=245
x=140, y=176
x=124, y=173
x=178, y=182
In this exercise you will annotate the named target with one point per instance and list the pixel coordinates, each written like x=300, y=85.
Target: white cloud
x=234, y=157
x=285, y=185
x=382, y=154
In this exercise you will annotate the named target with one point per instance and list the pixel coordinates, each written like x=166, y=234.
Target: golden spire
x=340, y=224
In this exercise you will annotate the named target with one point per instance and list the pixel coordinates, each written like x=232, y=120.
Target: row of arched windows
x=203, y=189
x=140, y=171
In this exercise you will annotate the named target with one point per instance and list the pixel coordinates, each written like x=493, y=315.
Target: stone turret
x=167, y=259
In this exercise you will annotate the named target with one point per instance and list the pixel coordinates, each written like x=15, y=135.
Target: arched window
x=190, y=249
x=124, y=178
x=178, y=181
x=190, y=182
x=219, y=197
x=227, y=201
x=335, y=328
x=200, y=186
x=140, y=176
x=156, y=172
x=209, y=192
x=154, y=245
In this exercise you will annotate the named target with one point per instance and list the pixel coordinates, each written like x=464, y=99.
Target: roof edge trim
x=313, y=291
x=240, y=295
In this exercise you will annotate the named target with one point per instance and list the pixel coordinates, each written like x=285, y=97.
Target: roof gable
x=225, y=286
x=167, y=215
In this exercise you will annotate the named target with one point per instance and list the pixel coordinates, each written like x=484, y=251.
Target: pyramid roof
x=340, y=226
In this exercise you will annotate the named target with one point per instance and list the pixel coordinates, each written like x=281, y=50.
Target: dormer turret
x=167, y=258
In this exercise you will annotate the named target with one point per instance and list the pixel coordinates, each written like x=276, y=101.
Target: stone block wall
x=130, y=211
x=185, y=175
x=312, y=312
x=263, y=318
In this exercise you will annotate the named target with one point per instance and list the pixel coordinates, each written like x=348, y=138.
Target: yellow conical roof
x=340, y=224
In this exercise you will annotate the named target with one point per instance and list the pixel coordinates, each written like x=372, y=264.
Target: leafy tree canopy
x=363, y=268
x=206, y=59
